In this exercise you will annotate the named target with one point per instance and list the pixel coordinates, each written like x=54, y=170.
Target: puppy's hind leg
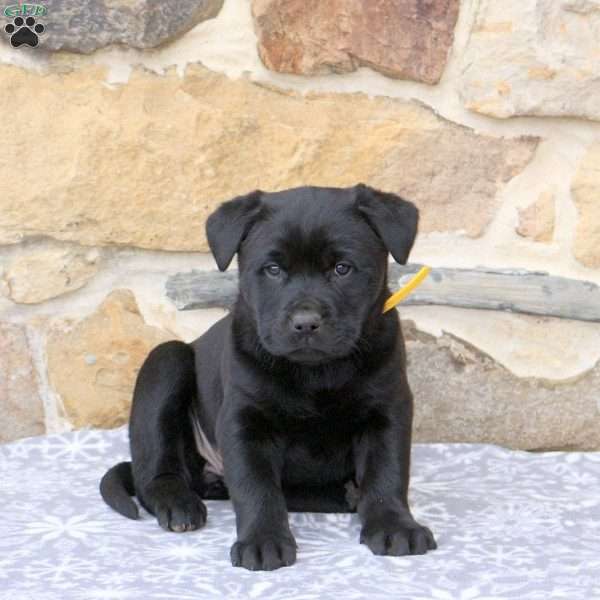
x=166, y=466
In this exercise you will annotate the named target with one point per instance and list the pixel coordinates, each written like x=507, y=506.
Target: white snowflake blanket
x=510, y=525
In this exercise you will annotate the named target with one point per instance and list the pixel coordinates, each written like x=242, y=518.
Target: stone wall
x=129, y=123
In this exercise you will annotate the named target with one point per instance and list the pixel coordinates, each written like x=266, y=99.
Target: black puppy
x=301, y=391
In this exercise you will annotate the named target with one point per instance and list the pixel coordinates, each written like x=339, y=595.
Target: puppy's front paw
x=177, y=507
x=185, y=513
x=396, y=539
x=264, y=553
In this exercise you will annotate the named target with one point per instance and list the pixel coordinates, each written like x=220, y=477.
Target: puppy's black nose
x=306, y=321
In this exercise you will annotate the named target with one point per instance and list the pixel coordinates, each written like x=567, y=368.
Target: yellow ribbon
x=406, y=290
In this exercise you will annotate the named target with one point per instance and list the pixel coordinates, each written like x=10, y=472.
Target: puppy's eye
x=342, y=269
x=273, y=270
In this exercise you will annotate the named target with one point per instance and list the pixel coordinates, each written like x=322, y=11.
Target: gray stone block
x=88, y=25
x=21, y=409
x=463, y=395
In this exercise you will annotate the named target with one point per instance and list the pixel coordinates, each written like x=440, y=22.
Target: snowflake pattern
x=510, y=526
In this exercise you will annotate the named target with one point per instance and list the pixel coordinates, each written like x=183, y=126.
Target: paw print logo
x=24, y=32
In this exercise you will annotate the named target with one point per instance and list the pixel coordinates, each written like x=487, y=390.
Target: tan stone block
x=37, y=274
x=92, y=364
x=537, y=220
x=144, y=164
x=586, y=194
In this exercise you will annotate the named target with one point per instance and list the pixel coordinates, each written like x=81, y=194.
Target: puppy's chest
x=318, y=449
x=319, y=438
x=317, y=461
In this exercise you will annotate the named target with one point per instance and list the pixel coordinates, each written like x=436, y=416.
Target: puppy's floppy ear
x=393, y=219
x=229, y=225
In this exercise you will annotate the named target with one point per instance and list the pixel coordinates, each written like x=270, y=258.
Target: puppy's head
x=312, y=263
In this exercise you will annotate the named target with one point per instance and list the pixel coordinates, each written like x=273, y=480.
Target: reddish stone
x=405, y=39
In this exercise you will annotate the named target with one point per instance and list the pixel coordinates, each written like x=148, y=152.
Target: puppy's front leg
x=382, y=458
x=253, y=476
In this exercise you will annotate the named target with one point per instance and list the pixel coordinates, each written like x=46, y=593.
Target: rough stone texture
x=545, y=348
x=145, y=163
x=531, y=57
x=407, y=39
x=41, y=273
x=536, y=222
x=462, y=395
x=586, y=193
x=93, y=364
x=87, y=25
x=21, y=409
